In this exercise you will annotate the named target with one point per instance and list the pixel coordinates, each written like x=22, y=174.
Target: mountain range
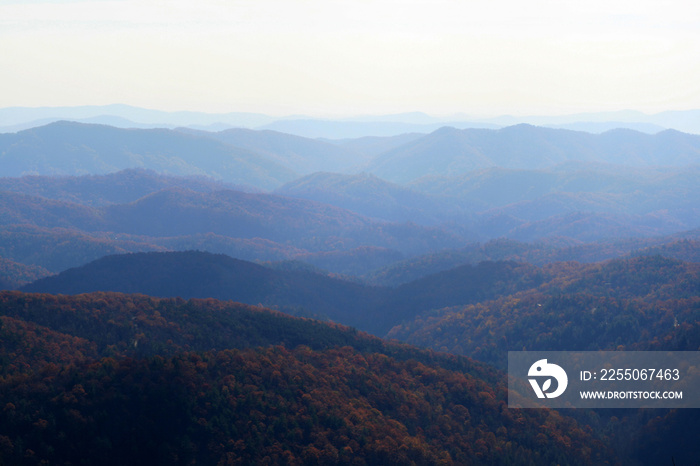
x=125, y=116
x=267, y=159
x=450, y=152
x=373, y=197
x=201, y=293
x=177, y=211
x=374, y=309
x=65, y=148
x=349, y=224
x=523, y=182
x=203, y=275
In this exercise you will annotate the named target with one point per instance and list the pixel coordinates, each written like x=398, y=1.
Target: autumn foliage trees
x=111, y=378
x=636, y=304
x=117, y=379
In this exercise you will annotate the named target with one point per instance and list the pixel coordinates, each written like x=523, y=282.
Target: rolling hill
x=373, y=146
x=113, y=188
x=204, y=275
x=306, y=224
x=120, y=379
x=14, y=274
x=684, y=246
x=65, y=148
x=370, y=196
x=529, y=205
x=181, y=212
x=302, y=155
x=452, y=152
x=638, y=291
x=22, y=209
x=377, y=309
x=526, y=205
x=634, y=303
x=62, y=222
x=56, y=249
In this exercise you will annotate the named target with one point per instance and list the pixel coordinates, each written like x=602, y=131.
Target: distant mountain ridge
x=112, y=188
x=303, y=155
x=373, y=197
x=451, y=152
x=132, y=117
x=268, y=159
x=339, y=217
x=66, y=148
x=343, y=129
x=126, y=116
x=523, y=204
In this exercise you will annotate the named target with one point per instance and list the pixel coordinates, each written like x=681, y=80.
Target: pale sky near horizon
x=326, y=57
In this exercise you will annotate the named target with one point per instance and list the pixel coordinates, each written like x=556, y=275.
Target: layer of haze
x=352, y=57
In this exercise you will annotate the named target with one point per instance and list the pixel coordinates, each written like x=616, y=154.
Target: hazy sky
x=328, y=57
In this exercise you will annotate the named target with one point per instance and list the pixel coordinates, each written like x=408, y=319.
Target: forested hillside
x=642, y=303
x=204, y=275
x=481, y=310
x=99, y=378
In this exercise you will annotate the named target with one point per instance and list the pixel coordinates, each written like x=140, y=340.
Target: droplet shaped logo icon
x=542, y=369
